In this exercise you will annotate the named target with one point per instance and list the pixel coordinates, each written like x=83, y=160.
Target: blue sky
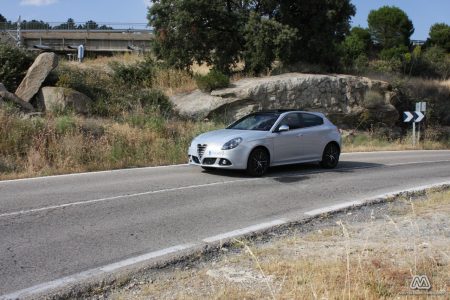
x=422, y=13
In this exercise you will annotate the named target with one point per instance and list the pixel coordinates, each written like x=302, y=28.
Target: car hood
x=220, y=137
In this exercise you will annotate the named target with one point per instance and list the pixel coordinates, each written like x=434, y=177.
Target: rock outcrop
x=59, y=98
x=345, y=99
x=36, y=75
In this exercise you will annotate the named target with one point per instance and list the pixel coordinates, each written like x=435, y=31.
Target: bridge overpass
x=66, y=40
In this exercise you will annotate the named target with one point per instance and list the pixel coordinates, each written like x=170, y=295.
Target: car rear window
x=310, y=120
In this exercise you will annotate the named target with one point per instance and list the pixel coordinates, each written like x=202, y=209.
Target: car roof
x=284, y=111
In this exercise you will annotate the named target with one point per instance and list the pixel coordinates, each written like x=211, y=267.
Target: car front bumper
x=214, y=157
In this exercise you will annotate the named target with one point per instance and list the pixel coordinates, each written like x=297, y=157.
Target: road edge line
x=192, y=250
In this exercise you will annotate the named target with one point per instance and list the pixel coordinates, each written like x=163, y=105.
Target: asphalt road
x=57, y=226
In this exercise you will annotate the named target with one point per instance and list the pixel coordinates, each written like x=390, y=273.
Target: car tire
x=330, y=156
x=258, y=162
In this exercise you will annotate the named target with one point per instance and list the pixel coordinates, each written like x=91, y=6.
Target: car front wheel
x=258, y=162
x=330, y=157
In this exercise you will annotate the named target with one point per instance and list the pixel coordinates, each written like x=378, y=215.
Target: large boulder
x=36, y=75
x=345, y=99
x=60, y=98
x=7, y=96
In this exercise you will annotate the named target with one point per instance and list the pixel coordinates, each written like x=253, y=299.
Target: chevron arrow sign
x=407, y=116
x=418, y=116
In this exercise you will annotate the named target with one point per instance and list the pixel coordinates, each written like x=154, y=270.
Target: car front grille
x=209, y=161
x=201, y=150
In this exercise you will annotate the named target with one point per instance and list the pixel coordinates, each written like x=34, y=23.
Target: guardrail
x=86, y=26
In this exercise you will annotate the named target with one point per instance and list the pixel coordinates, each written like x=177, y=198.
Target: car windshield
x=261, y=122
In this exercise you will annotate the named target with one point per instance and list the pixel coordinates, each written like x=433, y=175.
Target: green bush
x=13, y=66
x=113, y=94
x=212, y=81
x=153, y=99
x=64, y=125
x=140, y=73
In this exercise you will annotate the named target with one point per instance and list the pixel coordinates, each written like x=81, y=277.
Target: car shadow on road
x=287, y=173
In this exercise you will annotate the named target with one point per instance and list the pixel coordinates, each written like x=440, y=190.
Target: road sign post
x=415, y=117
x=420, y=107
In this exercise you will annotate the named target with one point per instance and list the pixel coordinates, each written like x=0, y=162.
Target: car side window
x=292, y=120
x=310, y=120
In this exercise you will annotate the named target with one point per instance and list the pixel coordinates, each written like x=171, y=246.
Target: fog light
x=224, y=162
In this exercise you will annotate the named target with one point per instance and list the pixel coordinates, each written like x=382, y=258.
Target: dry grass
x=445, y=83
x=68, y=144
x=103, y=62
x=367, y=142
x=172, y=81
x=370, y=259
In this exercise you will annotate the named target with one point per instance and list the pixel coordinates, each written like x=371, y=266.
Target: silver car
x=264, y=139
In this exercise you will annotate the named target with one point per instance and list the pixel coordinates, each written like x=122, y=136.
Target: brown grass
x=68, y=144
x=371, y=259
x=368, y=142
x=445, y=83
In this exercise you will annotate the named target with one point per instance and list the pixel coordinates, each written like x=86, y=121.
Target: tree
x=3, y=19
x=321, y=25
x=14, y=63
x=439, y=61
x=69, y=25
x=440, y=36
x=265, y=41
x=35, y=24
x=390, y=27
x=217, y=31
x=203, y=31
x=90, y=25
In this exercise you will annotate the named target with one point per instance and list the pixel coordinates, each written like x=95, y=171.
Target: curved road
x=58, y=226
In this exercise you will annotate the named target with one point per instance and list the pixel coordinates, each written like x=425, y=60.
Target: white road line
x=181, y=165
x=86, y=275
x=394, y=151
x=340, y=206
x=22, y=212
x=243, y=231
x=93, y=173
x=85, y=202
x=62, y=282
x=327, y=209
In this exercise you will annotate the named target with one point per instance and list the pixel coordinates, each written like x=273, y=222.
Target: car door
x=312, y=136
x=287, y=144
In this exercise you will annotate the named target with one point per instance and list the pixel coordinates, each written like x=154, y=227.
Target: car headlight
x=232, y=144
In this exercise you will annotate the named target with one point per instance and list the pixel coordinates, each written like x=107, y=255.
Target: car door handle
x=300, y=134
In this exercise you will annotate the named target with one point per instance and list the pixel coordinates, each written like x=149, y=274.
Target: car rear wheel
x=258, y=162
x=330, y=157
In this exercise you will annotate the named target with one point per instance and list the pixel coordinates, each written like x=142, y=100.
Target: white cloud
x=147, y=3
x=37, y=2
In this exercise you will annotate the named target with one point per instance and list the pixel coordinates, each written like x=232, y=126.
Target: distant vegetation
x=207, y=45
x=39, y=24
x=260, y=33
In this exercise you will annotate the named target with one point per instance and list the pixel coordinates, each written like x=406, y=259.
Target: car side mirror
x=283, y=128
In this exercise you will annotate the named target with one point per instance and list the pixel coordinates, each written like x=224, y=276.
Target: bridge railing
x=86, y=26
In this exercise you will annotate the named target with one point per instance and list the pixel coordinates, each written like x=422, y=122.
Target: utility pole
x=19, y=32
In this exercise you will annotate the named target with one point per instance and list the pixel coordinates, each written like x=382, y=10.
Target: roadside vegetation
x=367, y=253
x=131, y=122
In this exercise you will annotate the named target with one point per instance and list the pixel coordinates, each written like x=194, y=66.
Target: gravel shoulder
x=371, y=252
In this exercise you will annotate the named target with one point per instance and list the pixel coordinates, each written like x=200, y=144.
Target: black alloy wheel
x=258, y=162
x=330, y=157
